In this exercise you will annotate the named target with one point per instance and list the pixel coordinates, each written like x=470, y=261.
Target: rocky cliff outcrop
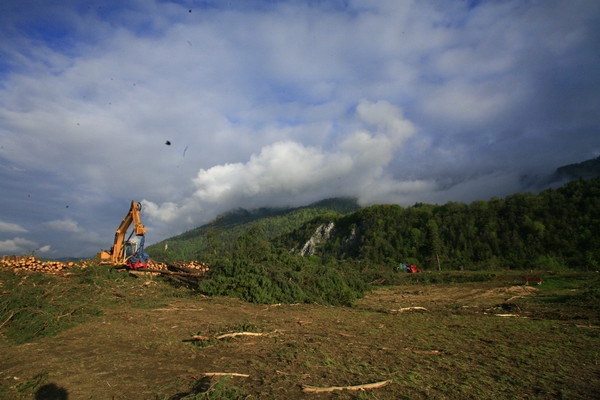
x=322, y=234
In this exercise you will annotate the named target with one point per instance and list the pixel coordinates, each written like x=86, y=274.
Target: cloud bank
x=280, y=103
x=291, y=174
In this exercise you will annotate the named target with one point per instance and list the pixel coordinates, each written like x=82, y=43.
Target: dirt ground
x=470, y=340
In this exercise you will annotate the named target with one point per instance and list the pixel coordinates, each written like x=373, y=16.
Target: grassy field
x=103, y=334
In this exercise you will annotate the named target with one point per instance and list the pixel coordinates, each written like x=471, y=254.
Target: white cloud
x=45, y=249
x=470, y=105
x=168, y=211
x=17, y=246
x=65, y=225
x=290, y=173
x=12, y=228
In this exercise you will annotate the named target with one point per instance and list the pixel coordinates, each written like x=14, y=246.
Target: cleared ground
x=495, y=339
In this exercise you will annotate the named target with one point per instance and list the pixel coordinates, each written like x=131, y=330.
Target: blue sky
x=280, y=103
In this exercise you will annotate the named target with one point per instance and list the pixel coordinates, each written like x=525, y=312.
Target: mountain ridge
x=220, y=234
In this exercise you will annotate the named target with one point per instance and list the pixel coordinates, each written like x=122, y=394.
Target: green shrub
x=549, y=263
x=283, y=278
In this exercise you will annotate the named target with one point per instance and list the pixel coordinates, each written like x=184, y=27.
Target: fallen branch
x=198, y=337
x=408, y=309
x=231, y=335
x=12, y=314
x=226, y=374
x=228, y=335
x=315, y=389
x=427, y=351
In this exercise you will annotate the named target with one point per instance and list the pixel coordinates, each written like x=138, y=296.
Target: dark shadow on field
x=201, y=386
x=51, y=392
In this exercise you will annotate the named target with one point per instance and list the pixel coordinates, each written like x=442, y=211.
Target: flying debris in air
x=168, y=143
x=184, y=150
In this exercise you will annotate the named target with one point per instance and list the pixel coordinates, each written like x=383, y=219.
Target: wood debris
x=232, y=335
x=30, y=263
x=434, y=352
x=225, y=374
x=509, y=315
x=316, y=389
x=228, y=335
x=189, y=266
x=191, y=269
x=405, y=309
x=12, y=314
x=199, y=337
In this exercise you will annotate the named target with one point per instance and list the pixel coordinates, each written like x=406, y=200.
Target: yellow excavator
x=126, y=251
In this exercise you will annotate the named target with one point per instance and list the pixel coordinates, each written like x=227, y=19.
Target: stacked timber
x=195, y=265
x=190, y=265
x=30, y=263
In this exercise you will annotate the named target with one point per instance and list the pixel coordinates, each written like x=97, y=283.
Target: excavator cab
x=134, y=254
x=130, y=248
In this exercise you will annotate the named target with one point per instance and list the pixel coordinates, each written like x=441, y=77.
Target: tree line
x=555, y=229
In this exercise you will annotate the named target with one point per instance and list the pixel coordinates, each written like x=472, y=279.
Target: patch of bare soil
x=435, y=297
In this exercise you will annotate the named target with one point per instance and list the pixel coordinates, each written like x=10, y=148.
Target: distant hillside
x=220, y=235
x=555, y=229
x=586, y=170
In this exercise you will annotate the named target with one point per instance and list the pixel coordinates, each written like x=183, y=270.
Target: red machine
x=413, y=269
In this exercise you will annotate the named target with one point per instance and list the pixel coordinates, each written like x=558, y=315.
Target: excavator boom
x=117, y=255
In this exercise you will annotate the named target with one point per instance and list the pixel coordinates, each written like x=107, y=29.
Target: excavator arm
x=117, y=254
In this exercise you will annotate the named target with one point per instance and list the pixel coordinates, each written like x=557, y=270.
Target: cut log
x=232, y=335
x=228, y=335
x=226, y=374
x=400, y=310
x=316, y=389
x=198, y=337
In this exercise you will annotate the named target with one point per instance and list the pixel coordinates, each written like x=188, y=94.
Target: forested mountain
x=586, y=170
x=557, y=228
x=221, y=234
x=554, y=229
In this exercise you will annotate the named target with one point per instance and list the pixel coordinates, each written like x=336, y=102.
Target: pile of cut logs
x=30, y=263
x=195, y=265
x=190, y=268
